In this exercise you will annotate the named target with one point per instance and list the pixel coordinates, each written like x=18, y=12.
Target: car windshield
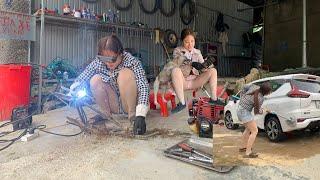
x=307, y=85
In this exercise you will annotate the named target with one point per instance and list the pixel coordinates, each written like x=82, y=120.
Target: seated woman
x=118, y=82
x=181, y=78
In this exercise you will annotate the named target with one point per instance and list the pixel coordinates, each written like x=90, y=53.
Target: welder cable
x=172, y=10
x=14, y=140
x=152, y=11
x=122, y=8
x=42, y=127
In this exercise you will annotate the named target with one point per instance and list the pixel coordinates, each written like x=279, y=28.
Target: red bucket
x=14, y=88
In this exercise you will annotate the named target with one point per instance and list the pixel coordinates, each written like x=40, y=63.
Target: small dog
x=163, y=80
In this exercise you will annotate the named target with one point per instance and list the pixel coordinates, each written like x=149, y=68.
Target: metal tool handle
x=188, y=148
x=185, y=147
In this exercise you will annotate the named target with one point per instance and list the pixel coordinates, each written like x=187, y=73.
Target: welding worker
x=118, y=82
x=251, y=97
x=187, y=78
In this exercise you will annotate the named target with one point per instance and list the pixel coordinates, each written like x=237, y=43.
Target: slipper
x=251, y=155
x=242, y=149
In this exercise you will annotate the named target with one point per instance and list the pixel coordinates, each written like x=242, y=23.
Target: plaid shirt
x=110, y=76
x=247, y=100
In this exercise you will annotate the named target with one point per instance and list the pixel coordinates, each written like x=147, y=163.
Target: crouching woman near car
x=251, y=97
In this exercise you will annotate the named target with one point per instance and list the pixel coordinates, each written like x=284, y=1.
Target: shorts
x=244, y=115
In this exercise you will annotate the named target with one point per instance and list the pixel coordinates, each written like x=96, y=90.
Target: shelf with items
x=118, y=28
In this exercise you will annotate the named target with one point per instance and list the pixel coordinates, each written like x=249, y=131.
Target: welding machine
x=20, y=118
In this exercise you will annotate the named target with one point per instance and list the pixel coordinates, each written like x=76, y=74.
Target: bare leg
x=178, y=82
x=128, y=91
x=208, y=76
x=104, y=94
x=252, y=127
x=245, y=137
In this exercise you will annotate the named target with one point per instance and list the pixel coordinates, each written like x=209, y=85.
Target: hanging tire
x=273, y=129
x=153, y=10
x=228, y=121
x=122, y=8
x=172, y=10
x=170, y=38
x=187, y=19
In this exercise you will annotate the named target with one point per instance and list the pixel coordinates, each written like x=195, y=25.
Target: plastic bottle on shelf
x=117, y=16
x=93, y=15
x=110, y=17
x=84, y=13
x=104, y=17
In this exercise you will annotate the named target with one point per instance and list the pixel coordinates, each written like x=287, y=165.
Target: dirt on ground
x=291, y=151
x=113, y=157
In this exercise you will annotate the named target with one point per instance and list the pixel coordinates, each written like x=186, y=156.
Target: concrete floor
x=96, y=157
x=110, y=157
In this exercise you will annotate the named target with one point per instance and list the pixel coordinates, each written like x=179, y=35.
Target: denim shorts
x=244, y=115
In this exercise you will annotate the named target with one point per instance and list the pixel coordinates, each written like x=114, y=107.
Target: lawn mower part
x=202, y=108
x=205, y=128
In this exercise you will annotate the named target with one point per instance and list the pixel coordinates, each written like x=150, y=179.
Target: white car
x=294, y=104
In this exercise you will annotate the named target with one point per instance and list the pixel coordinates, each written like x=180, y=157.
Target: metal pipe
x=304, y=36
x=41, y=56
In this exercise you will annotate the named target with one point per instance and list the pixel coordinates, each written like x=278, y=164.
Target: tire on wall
x=170, y=38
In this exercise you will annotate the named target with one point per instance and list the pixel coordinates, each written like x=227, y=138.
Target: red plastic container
x=14, y=88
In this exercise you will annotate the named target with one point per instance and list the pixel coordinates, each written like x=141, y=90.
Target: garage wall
x=283, y=34
x=77, y=42
x=14, y=51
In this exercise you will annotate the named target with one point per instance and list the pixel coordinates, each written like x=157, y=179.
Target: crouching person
x=117, y=82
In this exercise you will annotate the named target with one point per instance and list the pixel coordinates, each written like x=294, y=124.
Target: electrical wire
x=42, y=127
x=13, y=140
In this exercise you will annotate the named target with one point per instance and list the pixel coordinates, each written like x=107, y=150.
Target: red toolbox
x=14, y=88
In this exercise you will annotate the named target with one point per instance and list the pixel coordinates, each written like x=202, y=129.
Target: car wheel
x=315, y=129
x=273, y=129
x=228, y=121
